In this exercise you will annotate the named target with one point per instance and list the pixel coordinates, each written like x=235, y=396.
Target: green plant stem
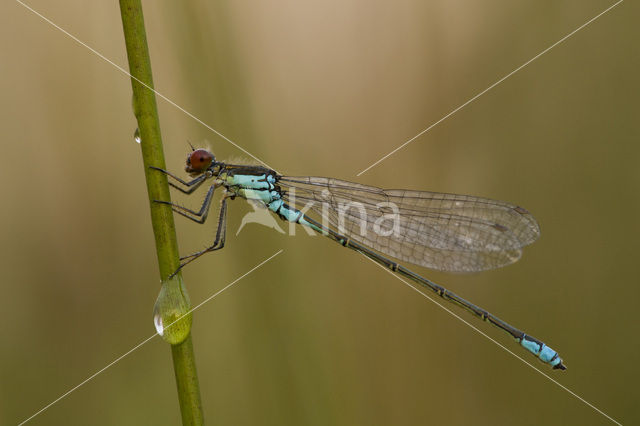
x=144, y=104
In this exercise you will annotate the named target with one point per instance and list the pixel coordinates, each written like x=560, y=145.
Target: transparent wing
x=447, y=232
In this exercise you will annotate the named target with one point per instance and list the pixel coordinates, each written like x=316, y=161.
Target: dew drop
x=172, y=311
x=136, y=136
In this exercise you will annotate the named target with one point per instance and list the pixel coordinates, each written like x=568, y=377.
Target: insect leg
x=191, y=185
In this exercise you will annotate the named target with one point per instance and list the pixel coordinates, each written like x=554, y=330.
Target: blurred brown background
x=319, y=335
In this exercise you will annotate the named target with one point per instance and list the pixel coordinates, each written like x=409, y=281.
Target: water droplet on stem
x=171, y=313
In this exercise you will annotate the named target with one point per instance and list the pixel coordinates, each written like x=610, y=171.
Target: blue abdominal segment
x=542, y=351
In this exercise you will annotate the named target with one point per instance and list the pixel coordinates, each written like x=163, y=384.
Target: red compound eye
x=198, y=161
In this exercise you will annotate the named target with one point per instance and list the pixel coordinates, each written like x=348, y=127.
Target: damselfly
x=446, y=232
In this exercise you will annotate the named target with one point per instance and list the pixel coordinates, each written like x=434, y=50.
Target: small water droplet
x=172, y=311
x=136, y=136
